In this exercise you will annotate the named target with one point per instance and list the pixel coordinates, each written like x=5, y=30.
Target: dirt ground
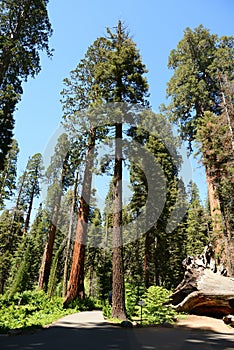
x=205, y=323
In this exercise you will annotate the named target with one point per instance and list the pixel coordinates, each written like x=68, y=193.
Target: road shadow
x=108, y=337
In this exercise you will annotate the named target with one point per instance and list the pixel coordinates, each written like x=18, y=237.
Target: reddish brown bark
x=76, y=280
x=224, y=244
x=215, y=210
x=118, y=293
x=70, y=230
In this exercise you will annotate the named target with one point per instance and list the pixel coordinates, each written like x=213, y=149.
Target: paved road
x=89, y=331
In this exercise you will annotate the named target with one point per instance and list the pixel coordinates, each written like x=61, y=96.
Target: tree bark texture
x=76, y=280
x=48, y=251
x=118, y=292
x=205, y=290
x=69, y=236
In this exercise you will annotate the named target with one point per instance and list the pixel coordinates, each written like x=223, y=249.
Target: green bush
x=86, y=304
x=107, y=310
x=132, y=295
x=30, y=309
x=156, y=309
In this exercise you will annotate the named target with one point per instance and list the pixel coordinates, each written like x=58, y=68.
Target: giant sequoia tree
x=201, y=62
x=25, y=30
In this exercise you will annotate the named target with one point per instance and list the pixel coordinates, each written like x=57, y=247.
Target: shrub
x=156, y=309
x=132, y=295
x=107, y=310
x=29, y=309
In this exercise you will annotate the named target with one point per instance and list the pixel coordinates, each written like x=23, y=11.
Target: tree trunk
x=27, y=220
x=118, y=292
x=224, y=244
x=2, y=284
x=3, y=185
x=76, y=280
x=48, y=251
x=68, y=246
x=215, y=210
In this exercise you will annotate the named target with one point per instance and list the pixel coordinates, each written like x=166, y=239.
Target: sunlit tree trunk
x=69, y=236
x=76, y=281
x=118, y=293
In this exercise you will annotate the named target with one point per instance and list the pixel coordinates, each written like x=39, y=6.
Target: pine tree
x=25, y=30
x=123, y=71
x=26, y=264
x=113, y=72
x=30, y=188
x=8, y=174
x=11, y=232
x=196, y=230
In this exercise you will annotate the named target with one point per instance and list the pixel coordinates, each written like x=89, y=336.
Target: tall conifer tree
x=25, y=31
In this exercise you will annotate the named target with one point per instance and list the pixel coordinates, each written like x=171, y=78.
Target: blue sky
x=156, y=27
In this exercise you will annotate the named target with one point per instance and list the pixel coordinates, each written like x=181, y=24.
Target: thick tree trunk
x=76, y=280
x=69, y=236
x=118, y=292
x=204, y=290
x=215, y=210
x=224, y=243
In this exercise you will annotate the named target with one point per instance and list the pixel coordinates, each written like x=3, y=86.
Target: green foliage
x=85, y=304
x=156, y=309
x=107, y=310
x=25, y=31
x=35, y=309
x=11, y=231
x=196, y=224
x=194, y=88
x=133, y=294
x=8, y=174
x=29, y=309
x=30, y=180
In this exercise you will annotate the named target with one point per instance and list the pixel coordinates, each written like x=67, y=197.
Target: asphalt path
x=89, y=331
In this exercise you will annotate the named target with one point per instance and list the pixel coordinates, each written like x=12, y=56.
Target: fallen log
x=229, y=320
x=204, y=290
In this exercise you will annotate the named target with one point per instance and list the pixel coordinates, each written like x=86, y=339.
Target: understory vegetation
x=76, y=250
x=34, y=309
